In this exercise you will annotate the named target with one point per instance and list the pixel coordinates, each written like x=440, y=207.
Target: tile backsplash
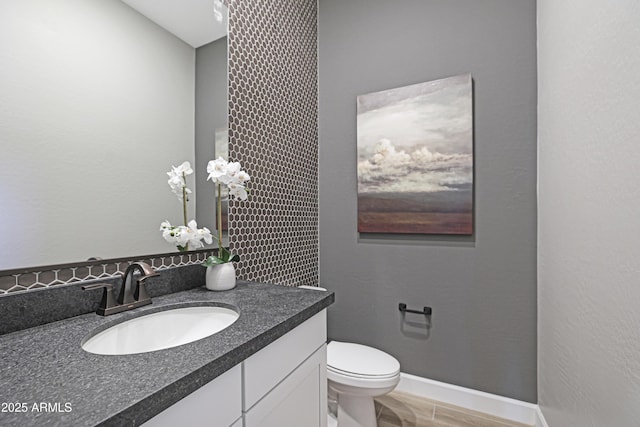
x=21, y=310
x=48, y=276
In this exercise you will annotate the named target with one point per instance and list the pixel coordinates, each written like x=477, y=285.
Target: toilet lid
x=360, y=361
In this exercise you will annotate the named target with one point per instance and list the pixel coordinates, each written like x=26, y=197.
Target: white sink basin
x=161, y=330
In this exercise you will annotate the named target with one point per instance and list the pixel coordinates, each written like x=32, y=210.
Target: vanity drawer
x=269, y=366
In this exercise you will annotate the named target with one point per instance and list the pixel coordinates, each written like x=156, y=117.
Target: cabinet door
x=299, y=400
x=265, y=369
x=216, y=404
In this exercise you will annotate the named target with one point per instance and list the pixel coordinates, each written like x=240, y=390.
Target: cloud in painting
x=391, y=169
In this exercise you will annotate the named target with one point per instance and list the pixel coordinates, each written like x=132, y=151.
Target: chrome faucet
x=130, y=296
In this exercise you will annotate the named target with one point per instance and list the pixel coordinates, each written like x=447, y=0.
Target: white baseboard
x=492, y=404
x=540, y=421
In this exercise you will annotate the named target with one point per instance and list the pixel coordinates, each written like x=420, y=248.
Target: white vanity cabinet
x=283, y=384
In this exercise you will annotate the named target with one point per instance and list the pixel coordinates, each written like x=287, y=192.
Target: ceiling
x=192, y=21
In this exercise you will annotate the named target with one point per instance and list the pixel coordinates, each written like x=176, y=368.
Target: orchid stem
x=184, y=203
x=219, y=218
x=184, y=199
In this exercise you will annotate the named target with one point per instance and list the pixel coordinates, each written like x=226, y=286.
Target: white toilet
x=356, y=374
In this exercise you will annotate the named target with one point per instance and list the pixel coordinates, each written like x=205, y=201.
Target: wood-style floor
x=398, y=409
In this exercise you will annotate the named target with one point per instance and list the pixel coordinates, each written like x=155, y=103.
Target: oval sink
x=161, y=330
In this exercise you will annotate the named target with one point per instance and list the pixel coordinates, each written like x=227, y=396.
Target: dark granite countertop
x=46, y=364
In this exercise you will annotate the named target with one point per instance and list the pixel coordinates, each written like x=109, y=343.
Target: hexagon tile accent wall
x=273, y=132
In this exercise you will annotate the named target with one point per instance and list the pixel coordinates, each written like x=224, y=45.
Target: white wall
x=96, y=105
x=589, y=212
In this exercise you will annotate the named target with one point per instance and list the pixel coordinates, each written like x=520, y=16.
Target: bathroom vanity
x=283, y=382
x=267, y=369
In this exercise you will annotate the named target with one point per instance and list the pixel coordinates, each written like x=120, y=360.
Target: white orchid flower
x=177, y=180
x=191, y=239
x=194, y=236
x=216, y=169
x=186, y=237
x=230, y=178
x=182, y=235
x=200, y=233
x=189, y=236
x=168, y=236
x=237, y=191
x=169, y=232
x=243, y=177
x=184, y=168
x=233, y=168
x=206, y=235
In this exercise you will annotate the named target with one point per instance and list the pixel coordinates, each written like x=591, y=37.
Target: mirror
x=98, y=102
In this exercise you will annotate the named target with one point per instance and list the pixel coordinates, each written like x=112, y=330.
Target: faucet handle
x=140, y=293
x=108, y=301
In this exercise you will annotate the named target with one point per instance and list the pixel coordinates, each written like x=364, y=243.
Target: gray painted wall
x=482, y=288
x=589, y=258
x=211, y=114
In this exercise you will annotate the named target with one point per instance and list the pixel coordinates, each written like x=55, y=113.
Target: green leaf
x=223, y=254
x=213, y=260
x=182, y=248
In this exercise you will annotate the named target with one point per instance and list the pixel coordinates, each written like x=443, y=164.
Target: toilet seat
x=363, y=376
x=357, y=365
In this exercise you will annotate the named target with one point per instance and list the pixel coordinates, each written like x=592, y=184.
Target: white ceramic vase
x=221, y=277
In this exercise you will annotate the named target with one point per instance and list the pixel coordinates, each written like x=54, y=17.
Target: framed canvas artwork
x=415, y=158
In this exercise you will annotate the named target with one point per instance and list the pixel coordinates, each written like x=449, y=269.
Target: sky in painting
x=416, y=138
